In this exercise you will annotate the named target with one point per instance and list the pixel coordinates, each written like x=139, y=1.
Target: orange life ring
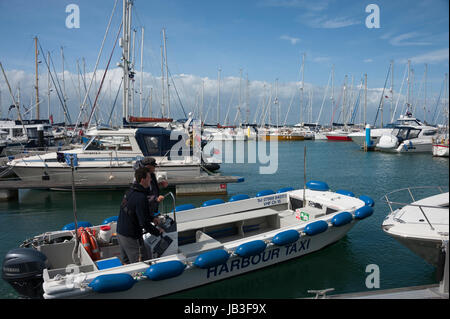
x=95, y=251
x=85, y=240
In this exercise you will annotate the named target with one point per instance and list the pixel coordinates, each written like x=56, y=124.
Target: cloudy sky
x=264, y=40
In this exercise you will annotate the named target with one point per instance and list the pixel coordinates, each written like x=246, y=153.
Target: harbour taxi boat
x=200, y=245
x=110, y=154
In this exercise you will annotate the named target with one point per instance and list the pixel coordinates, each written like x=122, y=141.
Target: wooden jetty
x=202, y=185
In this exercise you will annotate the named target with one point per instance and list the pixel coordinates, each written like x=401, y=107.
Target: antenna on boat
x=304, y=177
x=72, y=158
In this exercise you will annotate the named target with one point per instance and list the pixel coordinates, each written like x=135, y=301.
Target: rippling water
x=341, y=266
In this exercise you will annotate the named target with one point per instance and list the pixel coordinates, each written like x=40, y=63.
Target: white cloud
x=323, y=21
x=293, y=40
x=318, y=5
x=368, y=60
x=321, y=59
x=409, y=39
x=188, y=88
x=436, y=56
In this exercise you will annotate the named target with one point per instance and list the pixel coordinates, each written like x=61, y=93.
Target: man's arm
x=142, y=213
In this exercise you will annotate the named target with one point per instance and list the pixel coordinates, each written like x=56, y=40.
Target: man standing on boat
x=134, y=219
x=155, y=185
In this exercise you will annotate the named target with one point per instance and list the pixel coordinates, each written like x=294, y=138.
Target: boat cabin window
x=17, y=132
x=413, y=133
x=402, y=133
x=32, y=132
x=330, y=211
x=100, y=143
x=429, y=133
x=152, y=143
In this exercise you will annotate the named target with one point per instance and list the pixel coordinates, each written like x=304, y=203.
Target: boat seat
x=108, y=263
x=203, y=243
x=230, y=218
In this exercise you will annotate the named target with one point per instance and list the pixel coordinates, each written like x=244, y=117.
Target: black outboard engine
x=22, y=269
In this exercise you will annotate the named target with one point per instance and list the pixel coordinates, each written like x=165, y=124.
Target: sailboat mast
x=37, y=77
x=203, y=102
x=332, y=90
x=408, y=101
x=365, y=98
x=392, y=88
x=64, y=86
x=142, y=73
x=125, y=44
x=150, y=111
x=344, y=100
x=133, y=64
x=302, y=88
x=49, y=84
x=167, y=73
x=247, y=104
x=276, y=101
x=425, y=94
x=218, y=96
x=163, y=95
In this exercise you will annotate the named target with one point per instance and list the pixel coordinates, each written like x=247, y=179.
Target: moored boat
x=110, y=154
x=200, y=245
x=441, y=146
x=421, y=225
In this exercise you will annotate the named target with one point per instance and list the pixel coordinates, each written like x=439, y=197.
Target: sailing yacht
x=19, y=135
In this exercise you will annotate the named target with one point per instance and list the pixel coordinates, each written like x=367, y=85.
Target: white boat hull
x=421, y=226
x=247, y=234
x=429, y=250
x=441, y=150
x=194, y=277
x=98, y=174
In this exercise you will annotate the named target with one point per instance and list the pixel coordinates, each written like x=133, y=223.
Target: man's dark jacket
x=154, y=192
x=134, y=214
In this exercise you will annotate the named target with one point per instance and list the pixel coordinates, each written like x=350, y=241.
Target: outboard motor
x=22, y=269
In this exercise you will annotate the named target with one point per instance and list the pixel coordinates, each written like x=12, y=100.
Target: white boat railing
x=421, y=206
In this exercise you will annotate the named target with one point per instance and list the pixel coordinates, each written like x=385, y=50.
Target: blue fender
x=316, y=228
x=317, y=186
x=342, y=219
x=112, y=283
x=286, y=237
x=251, y=248
x=165, y=270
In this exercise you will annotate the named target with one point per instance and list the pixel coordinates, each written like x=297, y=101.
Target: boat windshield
x=412, y=122
x=105, y=143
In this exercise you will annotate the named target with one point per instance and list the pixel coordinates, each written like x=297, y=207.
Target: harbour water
x=341, y=266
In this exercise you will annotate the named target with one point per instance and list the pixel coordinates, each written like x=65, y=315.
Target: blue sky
x=265, y=38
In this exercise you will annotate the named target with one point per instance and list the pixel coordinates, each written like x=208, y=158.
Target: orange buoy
x=85, y=240
x=95, y=251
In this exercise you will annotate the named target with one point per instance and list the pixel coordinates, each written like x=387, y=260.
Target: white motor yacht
x=376, y=133
x=421, y=225
x=110, y=154
x=413, y=137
